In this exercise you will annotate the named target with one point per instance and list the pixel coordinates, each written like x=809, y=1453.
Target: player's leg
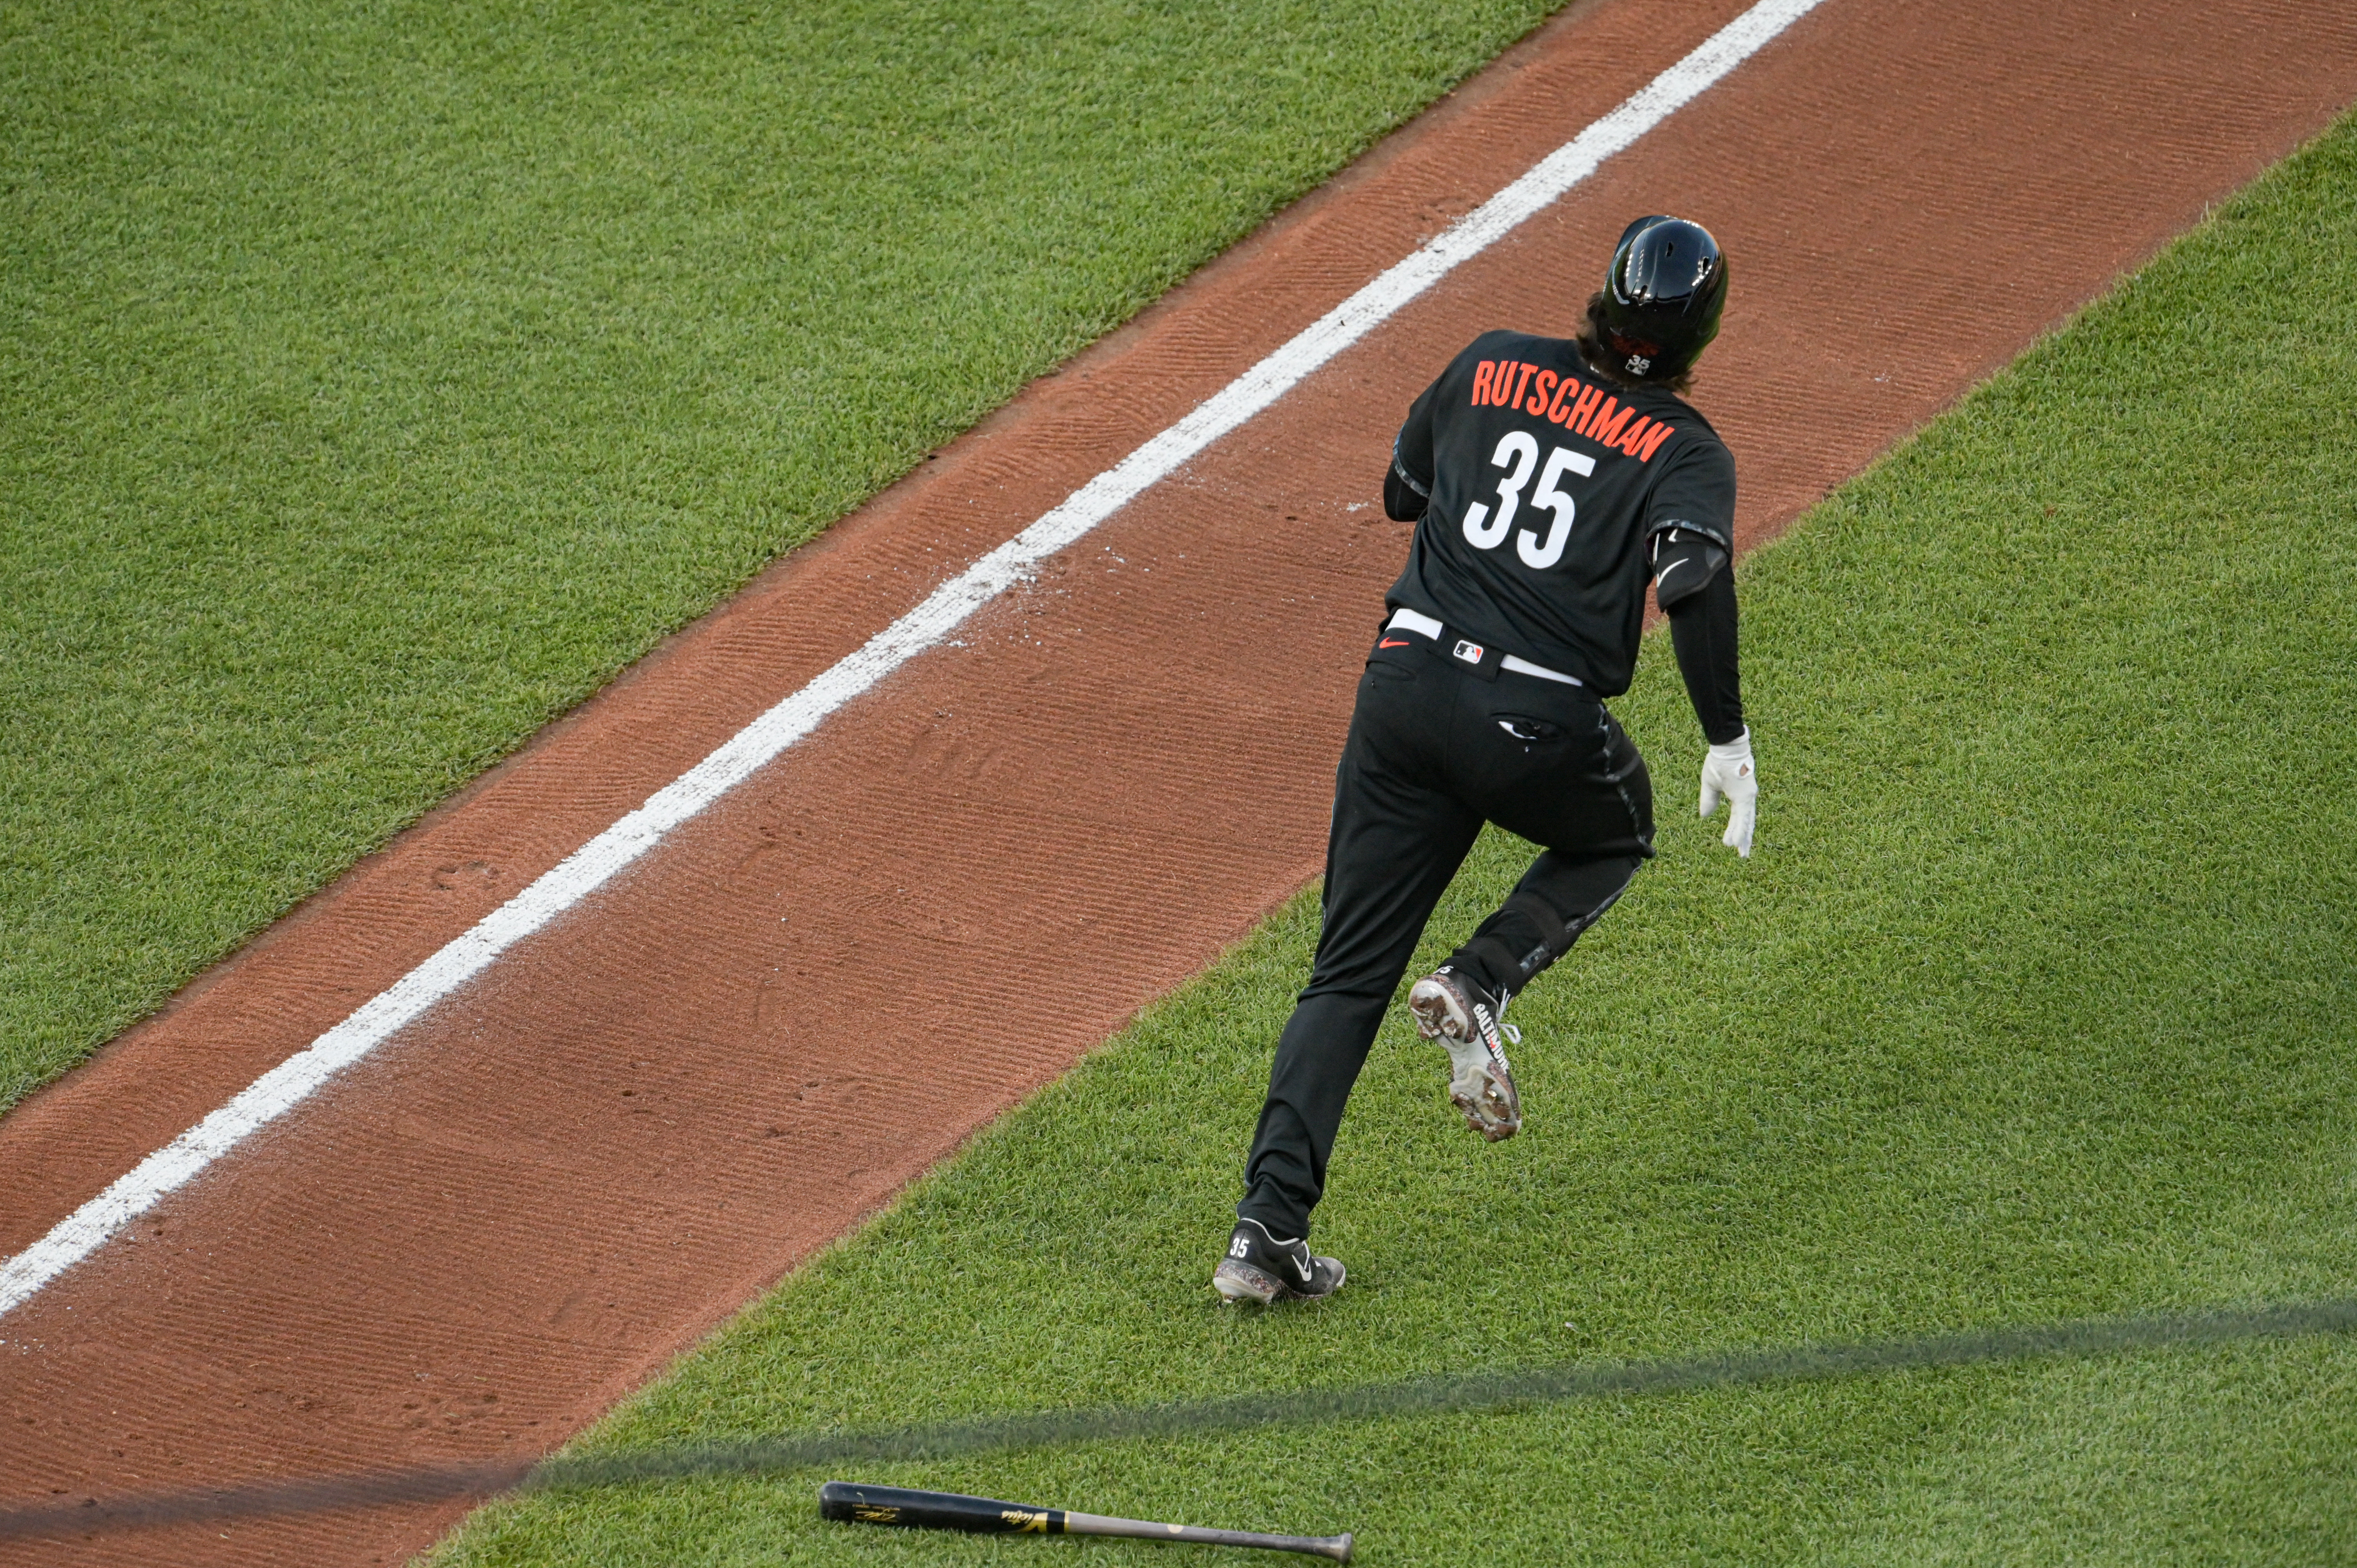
x=1395, y=844
x=1393, y=848
x=1570, y=780
x=1561, y=895
x=1555, y=767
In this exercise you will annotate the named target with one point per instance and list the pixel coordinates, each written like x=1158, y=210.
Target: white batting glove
x=1727, y=774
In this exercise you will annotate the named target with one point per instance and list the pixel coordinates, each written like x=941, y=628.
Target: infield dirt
x=475, y=1242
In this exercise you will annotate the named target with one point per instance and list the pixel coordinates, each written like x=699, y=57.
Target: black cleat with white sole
x=1260, y=1267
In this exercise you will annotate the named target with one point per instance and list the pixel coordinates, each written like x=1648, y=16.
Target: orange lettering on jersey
x=1607, y=426
x=1588, y=398
x=1654, y=439
x=1633, y=434
x=1559, y=410
x=1482, y=374
x=1520, y=382
x=1541, y=385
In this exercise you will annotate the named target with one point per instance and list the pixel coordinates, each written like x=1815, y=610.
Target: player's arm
x=1405, y=497
x=1695, y=582
x=1407, y=483
x=1689, y=552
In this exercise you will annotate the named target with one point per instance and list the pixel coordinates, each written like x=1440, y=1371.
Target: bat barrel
x=853, y=1502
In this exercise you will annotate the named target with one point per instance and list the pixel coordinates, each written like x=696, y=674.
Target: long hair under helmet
x=1661, y=298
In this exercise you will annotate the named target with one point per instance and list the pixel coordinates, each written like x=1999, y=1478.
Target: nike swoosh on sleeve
x=1665, y=572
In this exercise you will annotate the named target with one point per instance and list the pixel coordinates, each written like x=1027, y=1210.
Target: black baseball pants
x=1435, y=750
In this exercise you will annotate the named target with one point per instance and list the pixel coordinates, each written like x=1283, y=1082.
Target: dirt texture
x=519, y=1210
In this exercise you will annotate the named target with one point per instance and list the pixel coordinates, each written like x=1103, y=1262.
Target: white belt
x=1424, y=626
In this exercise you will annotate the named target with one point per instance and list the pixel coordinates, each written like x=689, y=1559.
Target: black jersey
x=1542, y=482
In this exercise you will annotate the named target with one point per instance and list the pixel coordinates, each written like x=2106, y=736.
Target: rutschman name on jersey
x=1543, y=482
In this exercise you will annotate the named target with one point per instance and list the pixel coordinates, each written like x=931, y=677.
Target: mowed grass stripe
x=376, y=382
x=2032, y=1006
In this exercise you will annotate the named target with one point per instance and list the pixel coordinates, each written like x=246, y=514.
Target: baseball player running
x=1550, y=480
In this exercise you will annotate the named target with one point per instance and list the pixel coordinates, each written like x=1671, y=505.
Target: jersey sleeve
x=1697, y=492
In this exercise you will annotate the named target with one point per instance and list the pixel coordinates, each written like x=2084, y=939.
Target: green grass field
x=2035, y=1003
x=378, y=379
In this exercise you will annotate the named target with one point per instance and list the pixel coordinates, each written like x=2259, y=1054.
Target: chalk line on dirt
x=287, y=1085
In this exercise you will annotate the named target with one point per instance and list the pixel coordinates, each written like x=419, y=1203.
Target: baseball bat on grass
x=855, y=1503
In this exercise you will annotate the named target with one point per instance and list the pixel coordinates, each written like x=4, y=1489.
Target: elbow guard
x=1404, y=499
x=1684, y=560
x=1401, y=503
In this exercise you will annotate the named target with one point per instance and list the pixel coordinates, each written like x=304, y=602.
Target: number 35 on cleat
x=1518, y=454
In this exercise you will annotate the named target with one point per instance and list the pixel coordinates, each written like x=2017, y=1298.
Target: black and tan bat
x=855, y=1503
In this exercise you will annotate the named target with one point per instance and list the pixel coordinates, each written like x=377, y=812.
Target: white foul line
x=589, y=867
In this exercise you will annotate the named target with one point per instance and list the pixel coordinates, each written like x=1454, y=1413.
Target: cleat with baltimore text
x=1469, y=1024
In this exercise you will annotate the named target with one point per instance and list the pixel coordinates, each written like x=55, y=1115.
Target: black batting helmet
x=1661, y=296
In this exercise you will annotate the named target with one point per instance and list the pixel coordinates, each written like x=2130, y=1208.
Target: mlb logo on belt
x=1469, y=651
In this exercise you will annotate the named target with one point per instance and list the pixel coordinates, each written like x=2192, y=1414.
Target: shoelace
x=1513, y=1036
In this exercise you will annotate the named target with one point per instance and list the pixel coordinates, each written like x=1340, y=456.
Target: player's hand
x=1727, y=774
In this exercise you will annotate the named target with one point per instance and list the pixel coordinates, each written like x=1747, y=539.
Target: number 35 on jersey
x=1518, y=454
